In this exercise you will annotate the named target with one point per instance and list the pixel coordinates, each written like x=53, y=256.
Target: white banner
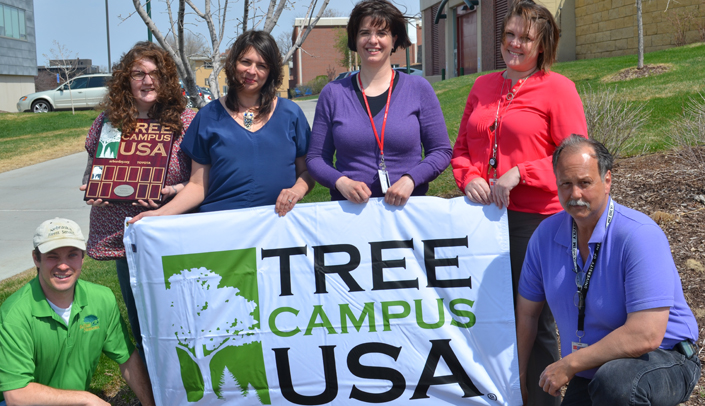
x=335, y=303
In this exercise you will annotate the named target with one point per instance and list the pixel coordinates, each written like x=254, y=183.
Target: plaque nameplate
x=128, y=167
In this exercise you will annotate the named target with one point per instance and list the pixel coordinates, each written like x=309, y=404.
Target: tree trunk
x=640, y=34
x=245, y=15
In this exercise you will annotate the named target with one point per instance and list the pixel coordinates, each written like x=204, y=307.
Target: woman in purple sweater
x=371, y=159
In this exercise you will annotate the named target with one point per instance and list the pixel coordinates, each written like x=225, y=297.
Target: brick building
x=608, y=27
x=468, y=40
x=319, y=56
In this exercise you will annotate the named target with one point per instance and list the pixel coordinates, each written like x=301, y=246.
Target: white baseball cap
x=58, y=233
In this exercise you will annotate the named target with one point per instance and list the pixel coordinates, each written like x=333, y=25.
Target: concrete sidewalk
x=31, y=195
x=40, y=192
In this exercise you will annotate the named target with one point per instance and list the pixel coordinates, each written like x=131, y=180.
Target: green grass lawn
x=29, y=138
x=665, y=95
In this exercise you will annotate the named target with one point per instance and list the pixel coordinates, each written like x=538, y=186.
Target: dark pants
x=658, y=378
x=545, y=349
x=123, y=273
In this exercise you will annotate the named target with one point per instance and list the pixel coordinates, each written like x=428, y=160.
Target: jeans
x=545, y=349
x=123, y=273
x=658, y=378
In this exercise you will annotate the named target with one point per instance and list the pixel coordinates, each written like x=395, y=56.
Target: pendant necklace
x=247, y=118
x=494, y=127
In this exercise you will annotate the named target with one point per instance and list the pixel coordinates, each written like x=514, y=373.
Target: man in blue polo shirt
x=53, y=329
x=606, y=272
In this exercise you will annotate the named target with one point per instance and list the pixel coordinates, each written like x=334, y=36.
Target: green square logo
x=220, y=289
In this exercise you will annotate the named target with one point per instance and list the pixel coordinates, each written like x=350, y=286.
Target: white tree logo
x=109, y=141
x=214, y=318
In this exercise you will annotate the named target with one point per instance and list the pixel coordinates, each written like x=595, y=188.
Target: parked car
x=344, y=75
x=414, y=71
x=307, y=91
x=203, y=92
x=206, y=94
x=87, y=91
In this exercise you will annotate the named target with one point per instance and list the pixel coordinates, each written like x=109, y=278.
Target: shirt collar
x=598, y=234
x=40, y=305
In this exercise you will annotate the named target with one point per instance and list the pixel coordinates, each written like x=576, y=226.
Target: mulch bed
x=633, y=73
x=673, y=194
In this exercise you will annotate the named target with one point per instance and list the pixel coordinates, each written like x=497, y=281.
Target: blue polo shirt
x=634, y=271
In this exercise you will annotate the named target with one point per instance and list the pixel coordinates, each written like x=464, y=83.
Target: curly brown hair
x=265, y=45
x=119, y=103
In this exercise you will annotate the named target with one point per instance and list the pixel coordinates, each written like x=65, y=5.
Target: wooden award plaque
x=128, y=167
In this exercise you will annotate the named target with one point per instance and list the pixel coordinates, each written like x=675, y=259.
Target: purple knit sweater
x=342, y=128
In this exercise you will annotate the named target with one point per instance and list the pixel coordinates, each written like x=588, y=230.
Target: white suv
x=87, y=91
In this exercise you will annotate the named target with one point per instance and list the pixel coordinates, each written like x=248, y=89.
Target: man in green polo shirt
x=53, y=329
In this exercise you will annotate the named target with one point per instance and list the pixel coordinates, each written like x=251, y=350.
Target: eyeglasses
x=139, y=75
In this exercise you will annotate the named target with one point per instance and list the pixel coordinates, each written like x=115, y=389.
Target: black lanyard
x=583, y=285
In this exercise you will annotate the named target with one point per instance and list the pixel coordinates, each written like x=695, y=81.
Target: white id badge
x=384, y=180
x=492, y=182
x=576, y=346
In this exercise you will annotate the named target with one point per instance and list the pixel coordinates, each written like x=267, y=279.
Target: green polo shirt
x=36, y=345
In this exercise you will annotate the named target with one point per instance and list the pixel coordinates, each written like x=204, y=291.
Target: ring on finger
x=290, y=200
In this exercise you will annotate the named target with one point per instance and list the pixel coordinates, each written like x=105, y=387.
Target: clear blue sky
x=79, y=25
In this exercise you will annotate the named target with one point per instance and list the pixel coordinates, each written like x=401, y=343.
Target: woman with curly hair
x=249, y=148
x=144, y=87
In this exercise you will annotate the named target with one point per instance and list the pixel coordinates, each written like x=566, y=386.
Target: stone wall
x=608, y=27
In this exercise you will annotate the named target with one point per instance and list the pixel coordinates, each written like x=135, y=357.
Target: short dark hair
x=265, y=45
x=600, y=152
x=384, y=15
x=547, y=31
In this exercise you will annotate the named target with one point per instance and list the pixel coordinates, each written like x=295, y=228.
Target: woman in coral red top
x=513, y=121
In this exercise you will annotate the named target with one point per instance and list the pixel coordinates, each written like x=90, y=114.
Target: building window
x=12, y=22
x=208, y=65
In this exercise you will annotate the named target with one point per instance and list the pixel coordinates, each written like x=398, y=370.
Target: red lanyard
x=380, y=141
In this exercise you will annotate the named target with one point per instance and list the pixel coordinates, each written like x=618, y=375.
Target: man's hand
x=555, y=376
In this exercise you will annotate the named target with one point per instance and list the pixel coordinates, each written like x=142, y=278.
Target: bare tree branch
x=245, y=14
x=66, y=65
x=304, y=33
x=273, y=15
x=179, y=51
